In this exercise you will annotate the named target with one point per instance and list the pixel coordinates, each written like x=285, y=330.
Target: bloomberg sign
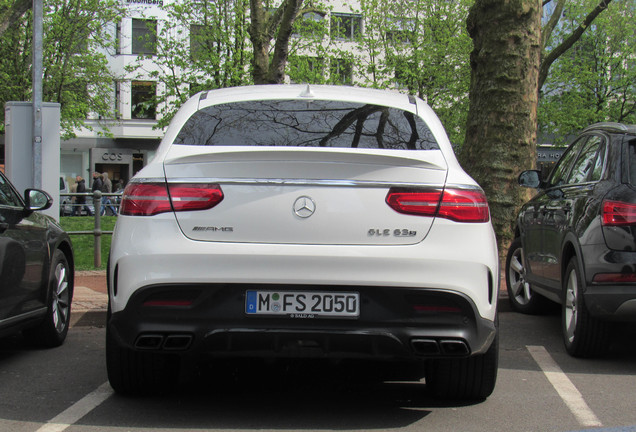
x=146, y=2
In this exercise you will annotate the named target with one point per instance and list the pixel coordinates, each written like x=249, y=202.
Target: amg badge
x=213, y=229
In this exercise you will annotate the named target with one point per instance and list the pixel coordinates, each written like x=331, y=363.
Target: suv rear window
x=307, y=123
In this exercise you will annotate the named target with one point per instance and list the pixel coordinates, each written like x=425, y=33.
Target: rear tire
x=135, y=373
x=520, y=294
x=583, y=335
x=52, y=331
x=470, y=378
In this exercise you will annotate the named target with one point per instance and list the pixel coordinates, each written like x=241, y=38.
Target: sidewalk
x=90, y=299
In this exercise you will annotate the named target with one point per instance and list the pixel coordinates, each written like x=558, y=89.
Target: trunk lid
x=323, y=196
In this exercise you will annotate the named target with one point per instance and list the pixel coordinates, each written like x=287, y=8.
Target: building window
x=198, y=37
x=144, y=36
x=118, y=37
x=345, y=26
x=306, y=69
x=341, y=72
x=113, y=103
x=399, y=30
x=117, y=109
x=403, y=77
x=310, y=24
x=143, y=100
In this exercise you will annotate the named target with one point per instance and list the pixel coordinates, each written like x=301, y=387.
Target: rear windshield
x=302, y=123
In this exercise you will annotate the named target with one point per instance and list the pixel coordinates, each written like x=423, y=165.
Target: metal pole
x=37, y=92
x=97, y=232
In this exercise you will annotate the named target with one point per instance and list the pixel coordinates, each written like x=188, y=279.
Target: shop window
x=138, y=162
x=144, y=100
x=144, y=36
x=345, y=26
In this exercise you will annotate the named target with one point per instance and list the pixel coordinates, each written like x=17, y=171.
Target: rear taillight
x=414, y=202
x=459, y=205
x=618, y=213
x=147, y=199
x=614, y=278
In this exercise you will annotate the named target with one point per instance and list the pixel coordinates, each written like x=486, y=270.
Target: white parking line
x=566, y=389
x=78, y=410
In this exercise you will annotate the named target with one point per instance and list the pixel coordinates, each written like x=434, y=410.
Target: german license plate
x=303, y=304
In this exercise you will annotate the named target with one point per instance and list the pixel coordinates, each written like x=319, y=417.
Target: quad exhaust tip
x=444, y=347
x=169, y=342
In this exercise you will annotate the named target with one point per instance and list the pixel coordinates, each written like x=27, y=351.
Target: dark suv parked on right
x=575, y=241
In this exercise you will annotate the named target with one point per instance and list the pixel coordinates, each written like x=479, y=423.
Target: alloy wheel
x=60, y=303
x=570, y=311
x=520, y=288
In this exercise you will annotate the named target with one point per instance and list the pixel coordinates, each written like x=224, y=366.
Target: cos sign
x=112, y=157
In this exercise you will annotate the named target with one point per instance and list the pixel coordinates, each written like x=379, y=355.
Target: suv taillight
x=460, y=205
x=147, y=199
x=618, y=213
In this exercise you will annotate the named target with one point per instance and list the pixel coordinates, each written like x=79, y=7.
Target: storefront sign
x=548, y=155
x=112, y=157
x=146, y=2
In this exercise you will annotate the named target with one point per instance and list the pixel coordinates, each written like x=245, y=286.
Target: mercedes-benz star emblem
x=304, y=207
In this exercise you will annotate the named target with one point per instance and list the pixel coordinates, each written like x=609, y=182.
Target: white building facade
x=133, y=135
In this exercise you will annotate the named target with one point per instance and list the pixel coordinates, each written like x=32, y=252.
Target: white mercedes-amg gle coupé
x=295, y=221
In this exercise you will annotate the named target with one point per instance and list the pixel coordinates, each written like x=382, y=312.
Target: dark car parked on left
x=575, y=241
x=36, y=268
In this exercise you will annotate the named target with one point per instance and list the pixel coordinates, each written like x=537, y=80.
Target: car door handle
x=3, y=227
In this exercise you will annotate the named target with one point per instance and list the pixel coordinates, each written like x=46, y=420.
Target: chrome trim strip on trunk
x=304, y=182
x=307, y=182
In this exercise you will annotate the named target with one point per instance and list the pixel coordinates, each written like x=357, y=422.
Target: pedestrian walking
x=107, y=187
x=98, y=184
x=81, y=199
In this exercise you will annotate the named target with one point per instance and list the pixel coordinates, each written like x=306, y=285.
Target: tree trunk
x=260, y=42
x=502, y=118
x=263, y=27
x=13, y=13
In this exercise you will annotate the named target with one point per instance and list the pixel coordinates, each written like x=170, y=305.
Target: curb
x=92, y=318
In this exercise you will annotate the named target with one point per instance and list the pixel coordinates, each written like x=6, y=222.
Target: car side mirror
x=37, y=199
x=530, y=178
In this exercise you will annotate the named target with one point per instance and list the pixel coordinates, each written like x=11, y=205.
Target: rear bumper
x=392, y=325
x=612, y=302
x=457, y=258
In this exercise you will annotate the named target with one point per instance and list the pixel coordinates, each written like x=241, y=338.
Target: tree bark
x=264, y=27
x=13, y=13
x=281, y=48
x=502, y=119
x=260, y=41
